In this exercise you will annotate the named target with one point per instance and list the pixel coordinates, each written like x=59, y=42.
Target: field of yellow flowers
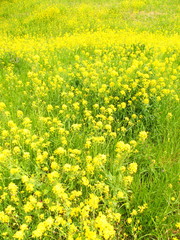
x=89, y=120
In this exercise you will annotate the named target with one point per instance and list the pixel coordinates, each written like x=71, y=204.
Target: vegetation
x=89, y=120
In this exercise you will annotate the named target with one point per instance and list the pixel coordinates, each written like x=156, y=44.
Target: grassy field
x=89, y=119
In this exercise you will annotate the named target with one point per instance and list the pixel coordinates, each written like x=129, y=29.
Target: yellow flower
x=9, y=209
x=19, y=235
x=2, y=106
x=29, y=187
x=3, y=217
x=24, y=179
x=122, y=147
x=143, y=135
x=4, y=234
x=88, y=144
x=14, y=170
x=123, y=105
x=142, y=208
x=90, y=235
x=5, y=133
x=13, y=188
x=24, y=227
x=178, y=225
x=93, y=201
x=146, y=101
x=129, y=220
x=49, y=222
x=134, y=116
x=41, y=228
x=76, y=127
x=169, y=116
x=120, y=194
x=49, y=108
x=60, y=151
x=123, y=169
x=28, y=219
x=26, y=155
x=85, y=181
x=108, y=127
x=54, y=165
x=128, y=180
x=106, y=229
x=28, y=207
x=19, y=114
x=133, y=143
x=134, y=212
x=59, y=191
x=16, y=150
x=132, y=167
x=123, y=129
x=26, y=122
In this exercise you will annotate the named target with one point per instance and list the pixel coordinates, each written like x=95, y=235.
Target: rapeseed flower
x=143, y=135
x=19, y=234
x=68, y=154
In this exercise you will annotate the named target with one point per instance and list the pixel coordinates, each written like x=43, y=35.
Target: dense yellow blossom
x=89, y=94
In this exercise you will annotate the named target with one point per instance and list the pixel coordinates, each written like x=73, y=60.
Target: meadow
x=89, y=120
